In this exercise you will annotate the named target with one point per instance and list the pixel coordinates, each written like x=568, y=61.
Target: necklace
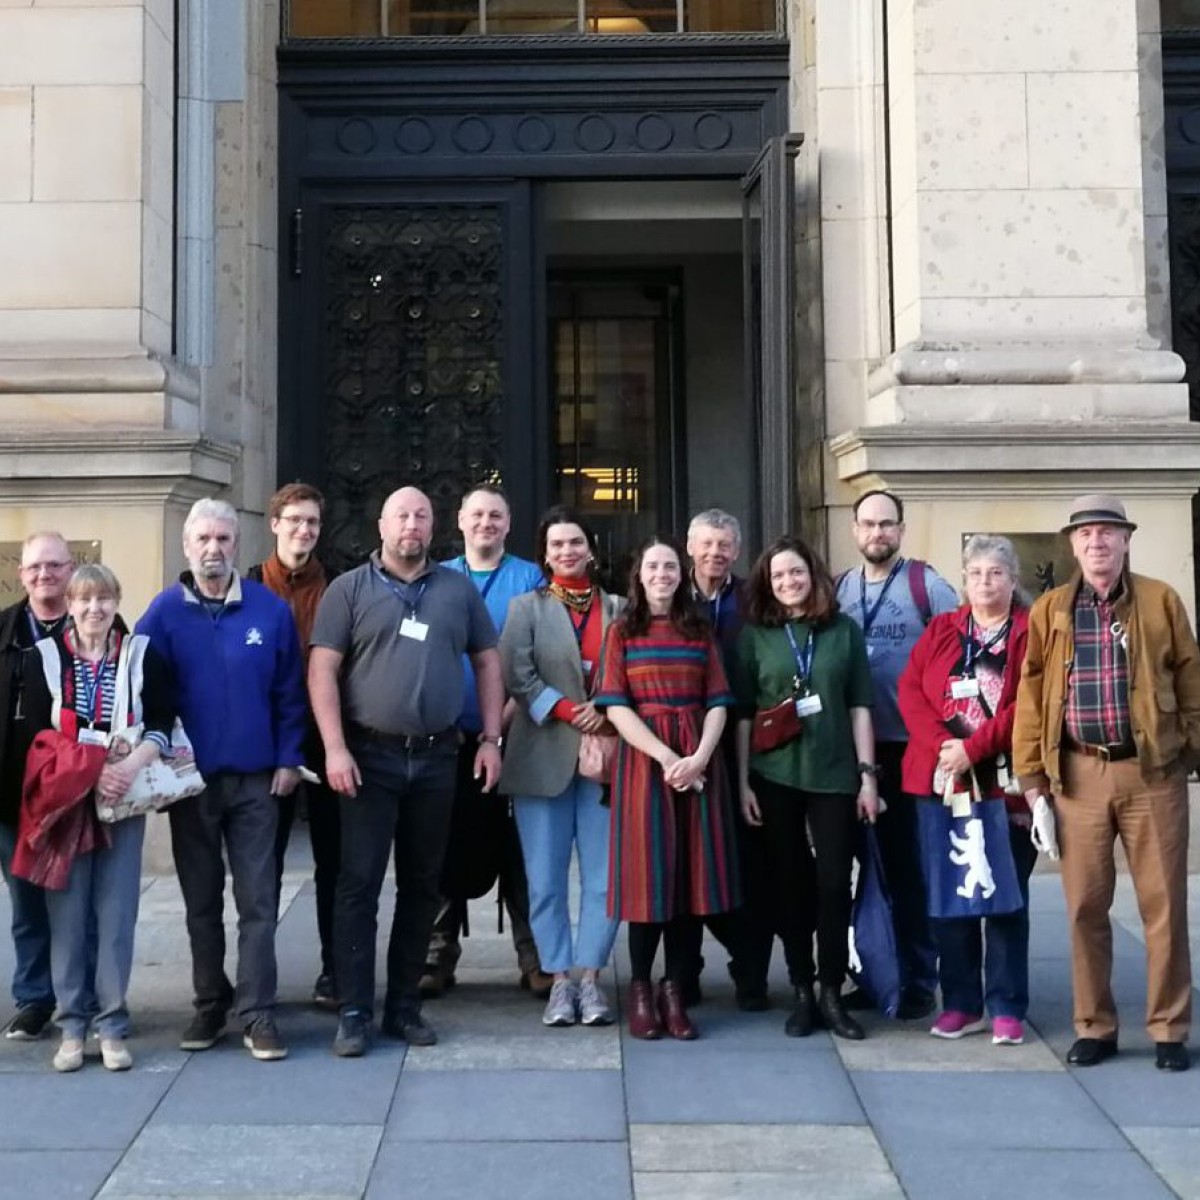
x=576, y=599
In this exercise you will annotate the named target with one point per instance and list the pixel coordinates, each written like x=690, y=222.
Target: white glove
x=1044, y=833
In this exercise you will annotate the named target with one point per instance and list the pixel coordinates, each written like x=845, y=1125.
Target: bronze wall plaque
x=1046, y=559
x=10, y=559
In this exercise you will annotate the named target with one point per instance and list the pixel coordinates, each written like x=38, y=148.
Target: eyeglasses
x=882, y=526
x=44, y=568
x=299, y=522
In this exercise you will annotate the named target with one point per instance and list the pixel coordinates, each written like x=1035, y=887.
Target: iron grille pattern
x=413, y=374
x=1184, y=226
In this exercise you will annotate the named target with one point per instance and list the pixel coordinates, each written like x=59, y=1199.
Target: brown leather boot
x=643, y=1017
x=673, y=1013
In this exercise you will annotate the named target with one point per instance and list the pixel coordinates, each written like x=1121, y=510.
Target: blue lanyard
x=583, y=624
x=403, y=591
x=868, y=618
x=93, y=689
x=974, y=650
x=804, y=659
x=491, y=579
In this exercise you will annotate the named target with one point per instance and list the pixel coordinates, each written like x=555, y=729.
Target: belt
x=1117, y=753
x=410, y=742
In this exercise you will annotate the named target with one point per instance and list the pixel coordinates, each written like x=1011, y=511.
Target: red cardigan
x=922, y=693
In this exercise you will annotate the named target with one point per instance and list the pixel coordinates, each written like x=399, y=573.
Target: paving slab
x=942, y=1113
x=244, y=1160
x=66, y=1174
x=761, y=1185
x=488, y=1106
x=740, y=1086
x=501, y=1171
x=1173, y=1153
x=1133, y=1092
x=1042, y=1174
x=893, y=1047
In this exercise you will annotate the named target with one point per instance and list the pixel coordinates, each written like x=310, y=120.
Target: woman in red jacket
x=957, y=697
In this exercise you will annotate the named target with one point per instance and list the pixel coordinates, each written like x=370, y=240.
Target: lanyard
x=93, y=680
x=41, y=629
x=804, y=659
x=403, y=591
x=974, y=650
x=583, y=624
x=491, y=579
x=868, y=618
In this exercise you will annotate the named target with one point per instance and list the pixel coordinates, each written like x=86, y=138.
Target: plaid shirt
x=1098, y=686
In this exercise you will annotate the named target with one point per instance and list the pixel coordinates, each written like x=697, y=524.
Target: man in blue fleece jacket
x=239, y=686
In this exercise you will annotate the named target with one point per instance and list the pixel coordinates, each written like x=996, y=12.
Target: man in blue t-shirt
x=483, y=839
x=893, y=598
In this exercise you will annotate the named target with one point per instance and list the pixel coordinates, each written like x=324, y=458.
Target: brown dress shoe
x=673, y=1012
x=643, y=1016
x=537, y=983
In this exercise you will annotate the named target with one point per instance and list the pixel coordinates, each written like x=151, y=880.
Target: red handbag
x=775, y=726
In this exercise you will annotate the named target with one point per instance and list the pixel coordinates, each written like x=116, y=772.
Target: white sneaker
x=69, y=1055
x=115, y=1054
x=593, y=1004
x=560, y=1008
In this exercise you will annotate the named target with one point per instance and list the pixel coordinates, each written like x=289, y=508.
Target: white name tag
x=92, y=737
x=587, y=665
x=808, y=706
x=964, y=689
x=960, y=804
x=410, y=627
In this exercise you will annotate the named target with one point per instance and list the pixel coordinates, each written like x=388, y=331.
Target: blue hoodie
x=238, y=678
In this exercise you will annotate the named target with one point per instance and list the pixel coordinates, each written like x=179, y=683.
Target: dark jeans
x=324, y=835
x=445, y=946
x=404, y=800
x=999, y=974
x=900, y=849
x=238, y=812
x=810, y=840
x=31, y=984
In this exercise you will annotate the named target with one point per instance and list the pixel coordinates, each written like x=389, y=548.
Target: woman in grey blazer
x=550, y=648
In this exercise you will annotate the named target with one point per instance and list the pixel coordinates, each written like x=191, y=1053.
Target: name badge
x=92, y=737
x=808, y=706
x=410, y=627
x=587, y=665
x=960, y=804
x=964, y=689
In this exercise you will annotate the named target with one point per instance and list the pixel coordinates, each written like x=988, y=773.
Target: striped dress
x=671, y=853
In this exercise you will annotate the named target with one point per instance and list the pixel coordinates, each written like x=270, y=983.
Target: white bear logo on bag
x=970, y=852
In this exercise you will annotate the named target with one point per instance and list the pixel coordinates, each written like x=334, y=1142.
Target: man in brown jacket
x=1108, y=723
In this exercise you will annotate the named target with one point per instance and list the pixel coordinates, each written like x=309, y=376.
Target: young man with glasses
x=295, y=574
x=45, y=570
x=893, y=598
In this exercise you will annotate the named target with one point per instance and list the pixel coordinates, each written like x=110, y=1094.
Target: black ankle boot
x=834, y=1015
x=802, y=1018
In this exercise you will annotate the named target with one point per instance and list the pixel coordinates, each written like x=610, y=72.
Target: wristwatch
x=487, y=737
x=869, y=769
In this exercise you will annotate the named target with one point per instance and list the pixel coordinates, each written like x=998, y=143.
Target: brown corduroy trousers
x=1100, y=802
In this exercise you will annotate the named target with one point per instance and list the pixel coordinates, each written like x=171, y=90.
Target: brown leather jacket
x=1164, y=682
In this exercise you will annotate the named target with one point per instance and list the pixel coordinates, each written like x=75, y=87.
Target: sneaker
x=69, y=1055
x=409, y=1026
x=952, y=1024
x=205, y=1031
x=29, y=1024
x=1007, y=1031
x=262, y=1039
x=353, y=1033
x=560, y=1008
x=324, y=993
x=115, y=1054
x=593, y=1004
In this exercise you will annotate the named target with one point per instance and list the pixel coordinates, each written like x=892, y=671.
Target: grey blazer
x=542, y=666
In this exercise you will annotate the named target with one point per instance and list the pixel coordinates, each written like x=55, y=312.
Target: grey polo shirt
x=391, y=683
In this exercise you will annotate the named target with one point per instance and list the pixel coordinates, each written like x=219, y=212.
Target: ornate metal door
x=420, y=312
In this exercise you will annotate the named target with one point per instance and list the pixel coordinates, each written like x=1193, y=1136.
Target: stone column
x=1026, y=271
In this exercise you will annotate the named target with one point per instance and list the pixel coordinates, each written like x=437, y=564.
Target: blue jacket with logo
x=238, y=679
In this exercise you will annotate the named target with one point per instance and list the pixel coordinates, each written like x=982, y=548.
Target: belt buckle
x=1104, y=753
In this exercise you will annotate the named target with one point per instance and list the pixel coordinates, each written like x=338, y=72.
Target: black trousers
x=810, y=840
x=900, y=849
x=403, y=808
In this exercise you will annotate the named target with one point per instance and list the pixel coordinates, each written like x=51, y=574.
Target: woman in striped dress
x=671, y=856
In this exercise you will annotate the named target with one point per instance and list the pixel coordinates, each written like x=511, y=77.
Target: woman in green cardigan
x=809, y=792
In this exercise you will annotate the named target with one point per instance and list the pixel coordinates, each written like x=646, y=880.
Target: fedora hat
x=1098, y=508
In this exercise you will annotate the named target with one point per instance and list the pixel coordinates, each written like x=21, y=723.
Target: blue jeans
x=999, y=976
x=549, y=827
x=91, y=934
x=31, y=984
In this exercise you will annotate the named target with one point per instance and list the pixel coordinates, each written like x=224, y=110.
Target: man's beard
x=879, y=554
x=412, y=553
x=211, y=570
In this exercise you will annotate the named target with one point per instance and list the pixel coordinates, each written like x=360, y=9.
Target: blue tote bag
x=873, y=955
x=968, y=861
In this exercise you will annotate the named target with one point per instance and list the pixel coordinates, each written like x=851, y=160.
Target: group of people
x=708, y=747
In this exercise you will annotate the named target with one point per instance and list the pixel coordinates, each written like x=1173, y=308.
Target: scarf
x=577, y=599
x=302, y=589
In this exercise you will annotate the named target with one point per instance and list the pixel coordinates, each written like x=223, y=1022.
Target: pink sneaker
x=953, y=1024
x=1007, y=1031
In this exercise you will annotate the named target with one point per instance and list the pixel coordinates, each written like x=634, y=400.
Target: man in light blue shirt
x=893, y=598
x=483, y=839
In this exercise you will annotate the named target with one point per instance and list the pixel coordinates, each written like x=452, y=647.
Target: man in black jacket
x=45, y=570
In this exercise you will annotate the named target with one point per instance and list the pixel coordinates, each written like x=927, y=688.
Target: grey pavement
x=503, y=1107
